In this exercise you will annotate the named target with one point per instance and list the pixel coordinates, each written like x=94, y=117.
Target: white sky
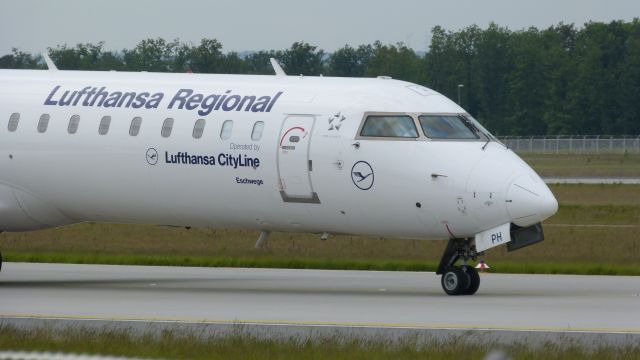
x=34, y=25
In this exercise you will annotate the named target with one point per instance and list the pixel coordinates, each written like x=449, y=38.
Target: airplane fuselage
x=329, y=180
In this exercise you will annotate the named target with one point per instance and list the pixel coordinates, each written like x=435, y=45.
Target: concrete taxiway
x=321, y=300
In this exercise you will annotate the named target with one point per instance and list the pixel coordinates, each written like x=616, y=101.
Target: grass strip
x=324, y=264
x=172, y=345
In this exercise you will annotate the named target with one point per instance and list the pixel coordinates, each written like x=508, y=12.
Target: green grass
x=597, y=194
x=597, y=214
x=172, y=345
x=584, y=165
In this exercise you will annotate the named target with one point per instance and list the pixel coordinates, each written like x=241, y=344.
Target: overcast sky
x=34, y=25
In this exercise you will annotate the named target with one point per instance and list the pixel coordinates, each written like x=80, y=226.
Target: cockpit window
x=447, y=127
x=389, y=126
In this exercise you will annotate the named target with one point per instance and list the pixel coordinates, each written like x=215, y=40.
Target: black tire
x=454, y=281
x=474, y=279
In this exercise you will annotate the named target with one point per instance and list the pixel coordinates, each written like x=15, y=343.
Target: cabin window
x=74, y=122
x=13, y=122
x=227, y=127
x=167, y=126
x=43, y=123
x=401, y=126
x=198, y=128
x=134, y=128
x=256, y=133
x=105, y=122
x=447, y=127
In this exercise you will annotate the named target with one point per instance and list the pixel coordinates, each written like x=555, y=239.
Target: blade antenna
x=50, y=64
x=277, y=68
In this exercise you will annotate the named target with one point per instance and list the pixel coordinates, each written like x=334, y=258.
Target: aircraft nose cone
x=530, y=201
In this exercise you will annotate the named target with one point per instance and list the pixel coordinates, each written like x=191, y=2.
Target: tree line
x=559, y=80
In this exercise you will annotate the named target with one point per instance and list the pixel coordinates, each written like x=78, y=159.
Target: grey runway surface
x=542, y=303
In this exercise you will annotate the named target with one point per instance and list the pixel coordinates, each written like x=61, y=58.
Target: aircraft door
x=294, y=165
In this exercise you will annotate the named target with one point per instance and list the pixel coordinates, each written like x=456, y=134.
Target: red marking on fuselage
x=288, y=131
x=449, y=230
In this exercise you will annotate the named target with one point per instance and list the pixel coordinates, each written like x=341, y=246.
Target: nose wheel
x=458, y=280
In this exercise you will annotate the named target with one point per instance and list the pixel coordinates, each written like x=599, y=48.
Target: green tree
x=350, y=62
x=85, y=57
x=20, y=60
x=258, y=63
x=303, y=59
x=559, y=44
x=629, y=97
x=153, y=55
x=397, y=61
x=207, y=57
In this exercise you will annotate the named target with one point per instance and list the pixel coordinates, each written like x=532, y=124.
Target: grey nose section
x=530, y=201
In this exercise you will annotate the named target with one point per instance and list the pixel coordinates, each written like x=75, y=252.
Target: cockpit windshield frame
x=482, y=134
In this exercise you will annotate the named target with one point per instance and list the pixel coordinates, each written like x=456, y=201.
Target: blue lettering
x=183, y=99
x=180, y=96
x=194, y=101
x=49, y=101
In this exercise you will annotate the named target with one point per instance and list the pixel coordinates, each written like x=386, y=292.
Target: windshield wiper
x=487, y=143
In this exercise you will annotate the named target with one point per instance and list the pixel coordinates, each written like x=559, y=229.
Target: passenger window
x=43, y=124
x=13, y=122
x=447, y=127
x=104, y=125
x=198, y=128
x=167, y=126
x=256, y=134
x=401, y=126
x=227, y=127
x=74, y=122
x=134, y=128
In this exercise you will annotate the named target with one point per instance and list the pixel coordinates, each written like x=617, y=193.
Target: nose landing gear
x=458, y=280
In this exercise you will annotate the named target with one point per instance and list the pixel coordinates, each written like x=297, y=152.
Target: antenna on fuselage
x=277, y=68
x=50, y=64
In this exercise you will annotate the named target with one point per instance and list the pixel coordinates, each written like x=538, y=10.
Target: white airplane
x=273, y=153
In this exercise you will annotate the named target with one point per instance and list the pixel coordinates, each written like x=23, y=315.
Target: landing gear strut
x=459, y=280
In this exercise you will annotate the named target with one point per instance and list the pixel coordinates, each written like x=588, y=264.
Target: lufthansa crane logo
x=152, y=156
x=362, y=175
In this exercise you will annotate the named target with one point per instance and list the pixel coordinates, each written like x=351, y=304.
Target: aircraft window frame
x=226, y=130
x=198, y=128
x=105, y=124
x=366, y=116
x=257, y=131
x=74, y=124
x=14, y=121
x=167, y=127
x=43, y=123
x=479, y=135
x=135, y=126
